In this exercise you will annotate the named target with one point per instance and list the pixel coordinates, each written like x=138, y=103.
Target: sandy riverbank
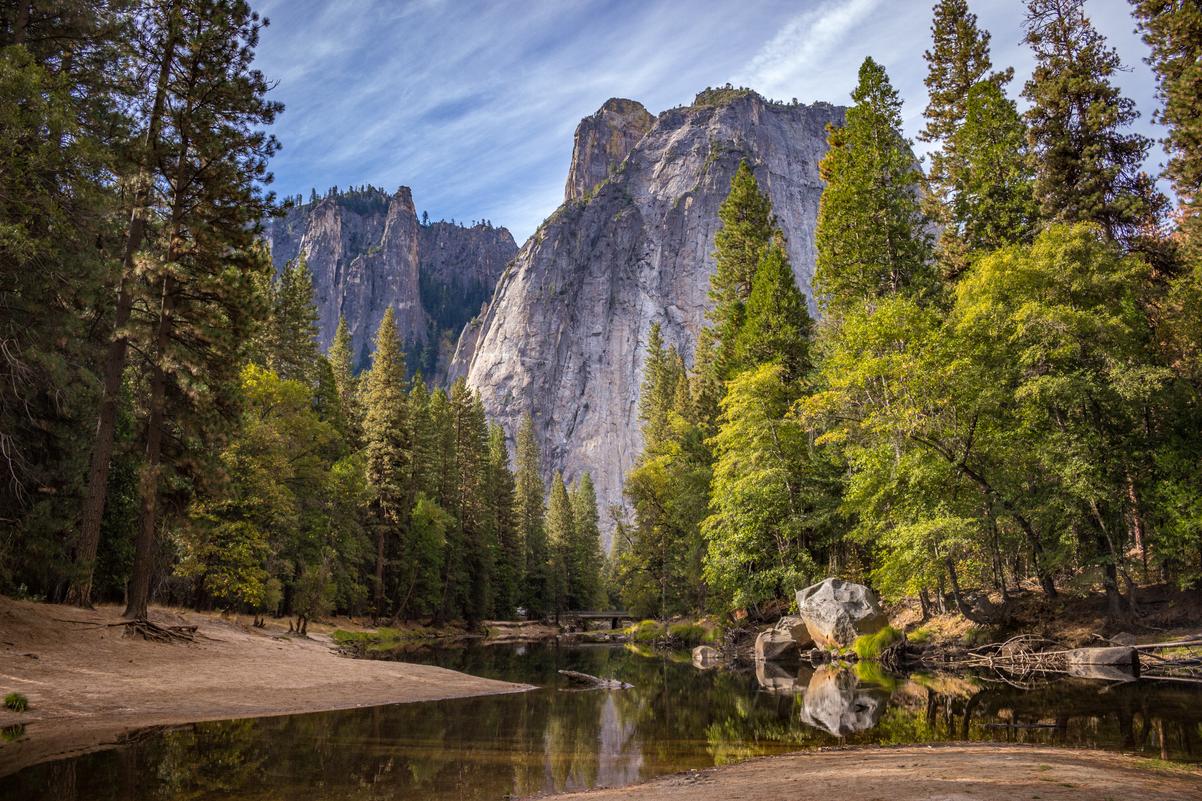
x=920, y=773
x=88, y=686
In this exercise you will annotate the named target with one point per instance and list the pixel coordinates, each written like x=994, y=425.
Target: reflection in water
x=675, y=718
x=838, y=702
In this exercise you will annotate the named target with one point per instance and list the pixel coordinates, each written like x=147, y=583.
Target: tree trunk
x=379, y=600
x=92, y=515
x=139, y=582
x=961, y=605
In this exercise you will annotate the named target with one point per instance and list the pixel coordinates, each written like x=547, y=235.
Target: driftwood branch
x=593, y=682
x=143, y=628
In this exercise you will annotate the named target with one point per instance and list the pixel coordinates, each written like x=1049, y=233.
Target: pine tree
x=61, y=132
x=470, y=570
x=586, y=561
x=871, y=234
x=160, y=34
x=1173, y=31
x=993, y=202
x=1088, y=169
x=777, y=328
x=531, y=520
x=206, y=256
x=291, y=332
x=511, y=550
x=561, y=533
x=656, y=396
x=748, y=225
x=957, y=60
x=345, y=382
x=389, y=443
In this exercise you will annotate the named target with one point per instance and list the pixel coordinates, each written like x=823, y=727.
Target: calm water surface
x=676, y=718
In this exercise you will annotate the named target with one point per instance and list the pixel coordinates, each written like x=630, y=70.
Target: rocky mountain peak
x=564, y=337
x=602, y=141
x=367, y=251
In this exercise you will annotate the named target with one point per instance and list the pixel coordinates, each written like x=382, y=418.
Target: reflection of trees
x=675, y=718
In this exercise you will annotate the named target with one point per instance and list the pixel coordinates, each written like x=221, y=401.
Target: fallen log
x=594, y=682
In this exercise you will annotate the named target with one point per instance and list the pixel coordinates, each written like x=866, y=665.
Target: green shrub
x=870, y=646
x=645, y=631
x=687, y=632
x=16, y=702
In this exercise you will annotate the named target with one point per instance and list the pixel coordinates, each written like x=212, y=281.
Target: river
x=555, y=738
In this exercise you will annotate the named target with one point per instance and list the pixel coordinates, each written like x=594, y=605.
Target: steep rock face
x=367, y=252
x=602, y=142
x=564, y=337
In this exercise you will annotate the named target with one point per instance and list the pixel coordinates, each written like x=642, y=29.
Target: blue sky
x=473, y=104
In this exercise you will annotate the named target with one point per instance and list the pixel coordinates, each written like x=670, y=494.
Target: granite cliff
x=564, y=335
x=367, y=251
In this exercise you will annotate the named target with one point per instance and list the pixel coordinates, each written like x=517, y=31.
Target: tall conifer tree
x=1089, y=166
x=389, y=446
x=1173, y=31
x=871, y=234
x=531, y=520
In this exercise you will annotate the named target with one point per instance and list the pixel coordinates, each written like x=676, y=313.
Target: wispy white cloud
x=803, y=44
x=472, y=103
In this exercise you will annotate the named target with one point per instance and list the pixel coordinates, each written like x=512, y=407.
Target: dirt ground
x=88, y=686
x=942, y=773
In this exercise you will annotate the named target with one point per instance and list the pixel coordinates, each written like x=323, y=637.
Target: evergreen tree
x=290, y=336
x=1173, y=31
x=60, y=135
x=342, y=362
x=470, y=570
x=511, y=550
x=658, y=557
x=206, y=255
x=764, y=526
x=1088, y=169
x=536, y=595
x=389, y=444
x=871, y=234
x=561, y=533
x=748, y=225
x=958, y=60
x=778, y=326
x=993, y=202
x=159, y=33
x=586, y=561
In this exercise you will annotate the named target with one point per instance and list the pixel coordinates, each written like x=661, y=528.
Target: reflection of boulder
x=775, y=679
x=837, y=702
x=706, y=657
x=1107, y=664
x=836, y=612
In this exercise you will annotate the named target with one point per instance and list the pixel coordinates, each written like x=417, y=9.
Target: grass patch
x=920, y=636
x=688, y=633
x=16, y=702
x=870, y=646
x=645, y=631
x=385, y=638
x=1166, y=766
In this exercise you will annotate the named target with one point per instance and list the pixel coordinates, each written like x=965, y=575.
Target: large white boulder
x=836, y=612
x=786, y=638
